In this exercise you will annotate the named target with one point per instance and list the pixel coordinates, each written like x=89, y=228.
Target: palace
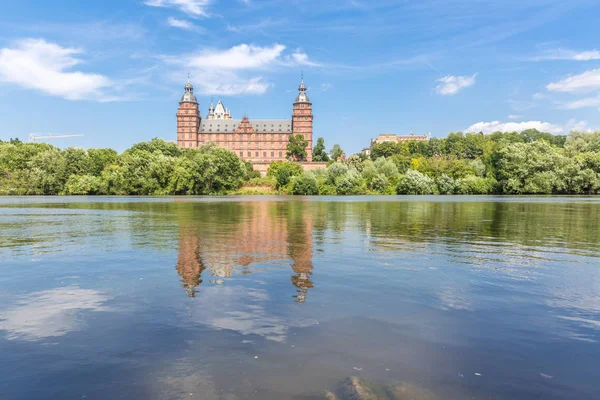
x=257, y=141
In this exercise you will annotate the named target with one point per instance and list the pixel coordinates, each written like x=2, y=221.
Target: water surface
x=281, y=298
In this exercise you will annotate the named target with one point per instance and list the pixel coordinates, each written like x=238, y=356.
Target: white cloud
x=238, y=70
x=197, y=8
x=512, y=116
x=181, y=23
x=564, y=54
x=450, y=85
x=582, y=103
x=497, y=126
x=50, y=312
x=40, y=65
x=585, y=82
x=238, y=57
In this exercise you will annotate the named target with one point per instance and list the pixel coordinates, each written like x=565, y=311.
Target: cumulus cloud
x=47, y=67
x=450, y=85
x=196, y=8
x=497, y=126
x=585, y=82
x=238, y=70
x=564, y=54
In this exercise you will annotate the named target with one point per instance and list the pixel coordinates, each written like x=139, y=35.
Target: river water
x=282, y=298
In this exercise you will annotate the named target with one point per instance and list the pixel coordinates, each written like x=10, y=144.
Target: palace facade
x=257, y=141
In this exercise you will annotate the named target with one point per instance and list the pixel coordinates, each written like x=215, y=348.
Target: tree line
x=530, y=162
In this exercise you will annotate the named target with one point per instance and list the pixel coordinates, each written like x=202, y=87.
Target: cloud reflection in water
x=49, y=313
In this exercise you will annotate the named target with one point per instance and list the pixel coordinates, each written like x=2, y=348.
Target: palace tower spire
x=302, y=118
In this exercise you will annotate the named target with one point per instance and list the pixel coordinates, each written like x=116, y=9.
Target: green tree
x=385, y=149
x=319, y=153
x=156, y=145
x=82, y=185
x=284, y=171
x=304, y=185
x=530, y=168
x=350, y=183
x=414, y=182
x=296, y=148
x=100, y=159
x=336, y=152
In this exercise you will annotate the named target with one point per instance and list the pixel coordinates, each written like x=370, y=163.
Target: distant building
x=391, y=137
x=257, y=141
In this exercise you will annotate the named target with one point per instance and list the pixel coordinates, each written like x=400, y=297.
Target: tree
x=414, y=182
x=100, y=159
x=530, y=168
x=296, y=148
x=319, y=153
x=156, y=145
x=336, y=152
x=385, y=149
x=284, y=171
x=305, y=185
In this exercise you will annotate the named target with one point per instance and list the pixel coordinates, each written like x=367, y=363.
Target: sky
x=114, y=70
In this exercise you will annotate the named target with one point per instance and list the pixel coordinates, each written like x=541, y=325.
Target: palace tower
x=188, y=118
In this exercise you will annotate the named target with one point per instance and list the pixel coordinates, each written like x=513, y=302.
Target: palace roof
x=261, y=126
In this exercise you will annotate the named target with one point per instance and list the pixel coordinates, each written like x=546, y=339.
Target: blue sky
x=114, y=70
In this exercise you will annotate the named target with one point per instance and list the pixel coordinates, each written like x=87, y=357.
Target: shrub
x=336, y=170
x=445, y=184
x=82, y=185
x=414, y=182
x=305, y=185
x=349, y=183
x=379, y=183
x=473, y=185
x=283, y=171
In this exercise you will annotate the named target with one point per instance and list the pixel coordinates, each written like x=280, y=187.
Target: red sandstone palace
x=257, y=141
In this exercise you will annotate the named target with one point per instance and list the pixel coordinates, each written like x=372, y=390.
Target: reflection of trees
x=553, y=223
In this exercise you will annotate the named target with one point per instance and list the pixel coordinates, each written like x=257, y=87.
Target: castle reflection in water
x=255, y=233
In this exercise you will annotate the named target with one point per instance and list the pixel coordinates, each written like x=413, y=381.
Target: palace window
x=265, y=154
x=280, y=154
x=256, y=154
x=272, y=154
x=249, y=154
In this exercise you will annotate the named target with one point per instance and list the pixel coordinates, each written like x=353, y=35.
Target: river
x=282, y=298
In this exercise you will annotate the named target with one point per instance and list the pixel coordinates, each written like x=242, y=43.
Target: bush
x=473, y=185
x=335, y=170
x=414, y=182
x=82, y=185
x=283, y=171
x=349, y=183
x=379, y=183
x=304, y=185
x=445, y=184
